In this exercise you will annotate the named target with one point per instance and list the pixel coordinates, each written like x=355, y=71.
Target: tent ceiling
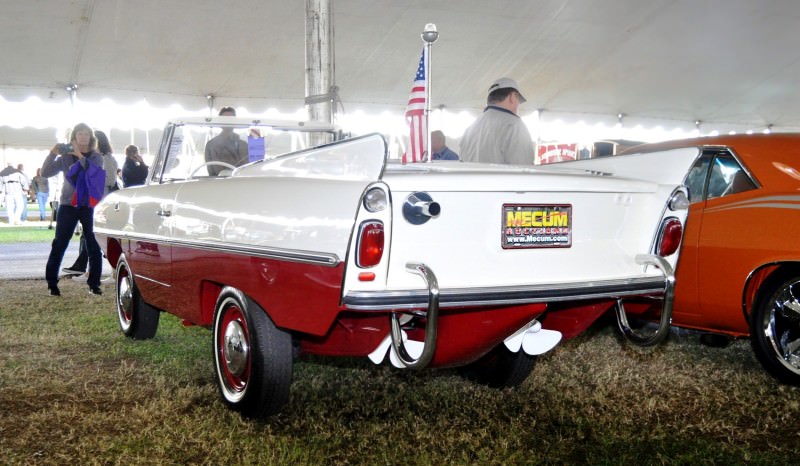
x=728, y=61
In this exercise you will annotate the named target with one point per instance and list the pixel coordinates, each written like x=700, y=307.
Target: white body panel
x=614, y=219
x=649, y=166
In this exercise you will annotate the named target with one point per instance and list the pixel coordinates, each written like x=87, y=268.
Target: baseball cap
x=506, y=83
x=227, y=110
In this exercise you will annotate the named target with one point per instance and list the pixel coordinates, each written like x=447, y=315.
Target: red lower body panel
x=304, y=298
x=464, y=335
x=297, y=296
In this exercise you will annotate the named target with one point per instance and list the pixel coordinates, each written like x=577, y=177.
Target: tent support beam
x=320, y=88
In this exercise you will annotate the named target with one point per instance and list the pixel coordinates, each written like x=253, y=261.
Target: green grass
x=73, y=390
x=25, y=234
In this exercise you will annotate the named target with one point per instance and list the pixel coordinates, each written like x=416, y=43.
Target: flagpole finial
x=430, y=34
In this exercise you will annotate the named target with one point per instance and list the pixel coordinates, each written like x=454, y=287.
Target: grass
x=25, y=234
x=73, y=390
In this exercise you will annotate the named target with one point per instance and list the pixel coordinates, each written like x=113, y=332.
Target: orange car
x=739, y=269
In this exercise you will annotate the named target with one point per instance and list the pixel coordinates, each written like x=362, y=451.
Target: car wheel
x=500, y=368
x=137, y=319
x=252, y=357
x=775, y=328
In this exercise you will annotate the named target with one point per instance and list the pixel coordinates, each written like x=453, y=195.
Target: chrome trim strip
x=292, y=255
x=148, y=279
x=504, y=295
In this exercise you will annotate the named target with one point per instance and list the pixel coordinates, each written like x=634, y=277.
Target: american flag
x=415, y=114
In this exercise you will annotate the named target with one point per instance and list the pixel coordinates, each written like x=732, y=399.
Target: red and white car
x=335, y=251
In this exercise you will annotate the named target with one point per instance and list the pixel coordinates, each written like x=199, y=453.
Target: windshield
x=202, y=150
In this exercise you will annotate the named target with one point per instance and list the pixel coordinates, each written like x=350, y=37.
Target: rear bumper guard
x=431, y=325
x=640, y=338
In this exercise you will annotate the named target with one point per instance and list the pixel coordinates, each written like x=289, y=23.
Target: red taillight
x=669, y=238
x=370, y=244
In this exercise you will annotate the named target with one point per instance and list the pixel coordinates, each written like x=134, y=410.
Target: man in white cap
x=499, y=135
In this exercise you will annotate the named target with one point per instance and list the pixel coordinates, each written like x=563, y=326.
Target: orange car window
x=727, y=177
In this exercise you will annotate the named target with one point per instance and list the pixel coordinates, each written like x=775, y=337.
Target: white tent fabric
x=729, y=63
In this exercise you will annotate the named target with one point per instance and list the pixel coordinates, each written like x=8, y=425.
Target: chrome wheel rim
x=233, y=353
x=782, y=325
x=124, y=299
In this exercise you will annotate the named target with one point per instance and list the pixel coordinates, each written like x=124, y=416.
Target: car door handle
x=163, y=213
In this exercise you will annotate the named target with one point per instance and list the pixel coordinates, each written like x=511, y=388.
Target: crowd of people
x=73, y=178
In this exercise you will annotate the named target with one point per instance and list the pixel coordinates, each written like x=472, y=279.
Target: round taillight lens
x=370, y=244
x=375, y=200
x=669, y=238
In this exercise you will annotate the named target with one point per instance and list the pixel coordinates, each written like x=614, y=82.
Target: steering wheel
x=212, y=162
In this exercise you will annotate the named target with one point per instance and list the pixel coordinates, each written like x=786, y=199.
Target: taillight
x=669, y=237
x=370, y=244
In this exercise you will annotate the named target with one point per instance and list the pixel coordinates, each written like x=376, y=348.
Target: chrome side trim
x=431, y=325
x=148, y=279
x=505, y=295
x=292, y=255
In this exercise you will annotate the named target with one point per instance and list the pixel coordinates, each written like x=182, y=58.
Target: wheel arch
x=113, y=252
x=209, y=294
x=754, y=289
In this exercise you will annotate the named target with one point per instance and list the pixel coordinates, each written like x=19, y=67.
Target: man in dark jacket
x=134, y=170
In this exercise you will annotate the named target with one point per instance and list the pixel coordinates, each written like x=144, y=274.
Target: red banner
x=550, y=153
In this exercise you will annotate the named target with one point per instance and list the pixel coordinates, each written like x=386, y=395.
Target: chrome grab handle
x=666, y=308
x=431, y=327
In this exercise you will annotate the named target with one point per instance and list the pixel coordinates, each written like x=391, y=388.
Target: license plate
x=536, y=226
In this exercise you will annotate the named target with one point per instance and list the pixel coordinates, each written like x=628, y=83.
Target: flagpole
x=429, y=35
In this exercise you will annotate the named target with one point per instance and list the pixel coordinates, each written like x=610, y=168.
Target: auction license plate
x=536, y=226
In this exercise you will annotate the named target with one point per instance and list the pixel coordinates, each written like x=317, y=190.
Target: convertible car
x=333, y=250
x=739, y=270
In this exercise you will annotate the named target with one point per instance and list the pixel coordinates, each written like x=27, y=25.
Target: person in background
x=82, y=167
x=134, y=170
x=226, y=147
x=26, y=187
x=15, y=189
x=499, y=135
x=109, y=162
x=439, y=147
x=41, y=189
x=110, y=169
x=55, y=195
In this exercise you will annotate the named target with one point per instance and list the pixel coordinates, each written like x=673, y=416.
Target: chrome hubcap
x=236, y=349
x=124, y=299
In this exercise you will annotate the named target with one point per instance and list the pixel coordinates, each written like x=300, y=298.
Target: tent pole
x=319, y=74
